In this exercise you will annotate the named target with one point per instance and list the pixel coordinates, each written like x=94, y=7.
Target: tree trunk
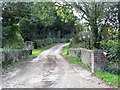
x=59, y=34
x=96, y=43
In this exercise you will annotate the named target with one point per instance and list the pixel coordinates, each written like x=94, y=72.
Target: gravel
x=50, y=70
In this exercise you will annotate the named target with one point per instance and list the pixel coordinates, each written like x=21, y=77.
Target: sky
x=78, y=15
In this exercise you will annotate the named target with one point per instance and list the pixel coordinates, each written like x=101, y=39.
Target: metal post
x=92, y=61
x=89, y=43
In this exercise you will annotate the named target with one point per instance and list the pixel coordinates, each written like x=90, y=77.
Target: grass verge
x=73, y=59
x=106, y=76
x=36, y=52
x=109, y=78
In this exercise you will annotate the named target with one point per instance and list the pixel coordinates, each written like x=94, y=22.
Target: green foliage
x=97, y=16
x=11, y=13
x=30, y=28
x=53, y=26
x=108, y=77
x=112, y=67
x=111, y=46
x=28, y=21
x=65, y=51
x=12, y=38
x=46, y=12
x=43, y=42
x=76, y=39
x=65, y=13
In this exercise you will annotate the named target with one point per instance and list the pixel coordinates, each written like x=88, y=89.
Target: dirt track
x=50, y=70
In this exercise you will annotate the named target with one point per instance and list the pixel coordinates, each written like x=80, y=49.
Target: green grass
x=36, y=52
x=108, y=77
x=73, y=59
x=64, y=51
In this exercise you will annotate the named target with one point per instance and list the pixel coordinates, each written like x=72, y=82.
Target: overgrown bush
x=12, y=55
x=13, y=39
x=111, y=47
x=43, y=42
x=112, y=67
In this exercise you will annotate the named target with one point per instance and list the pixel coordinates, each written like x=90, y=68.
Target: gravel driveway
x=50, y=70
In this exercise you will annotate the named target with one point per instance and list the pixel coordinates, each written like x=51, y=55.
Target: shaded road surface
x=50, y=70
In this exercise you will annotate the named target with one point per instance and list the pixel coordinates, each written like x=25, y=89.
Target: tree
x=11, y=13
x=31, y=28
x=118, y=52
x=67, y=18
x=56, y=19
x=98, y=16
x=91, y=12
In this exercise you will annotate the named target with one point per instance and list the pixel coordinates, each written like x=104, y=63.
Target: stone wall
x=100, y=60
x=86, y=56
x=9, y=56
x=0, y=55
x=95, y=58
x=76, y=52
x=12, y=55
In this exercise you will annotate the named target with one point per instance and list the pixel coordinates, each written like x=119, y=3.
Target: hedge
x=43, y=42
